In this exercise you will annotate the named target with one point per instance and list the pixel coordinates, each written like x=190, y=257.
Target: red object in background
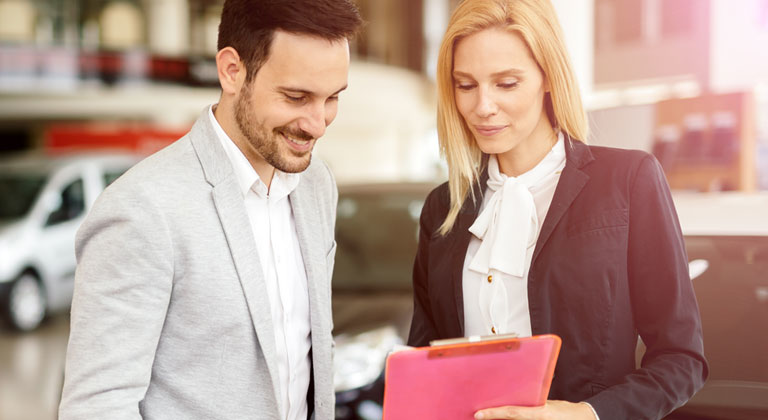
x=138, y=138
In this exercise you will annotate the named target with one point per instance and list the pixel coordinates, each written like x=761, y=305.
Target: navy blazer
x=610, y=262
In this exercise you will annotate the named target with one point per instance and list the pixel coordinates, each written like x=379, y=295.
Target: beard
x=270, y=144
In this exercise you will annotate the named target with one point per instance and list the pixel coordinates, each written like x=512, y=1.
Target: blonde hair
x=536, y=22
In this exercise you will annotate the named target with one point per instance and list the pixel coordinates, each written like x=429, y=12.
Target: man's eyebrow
x=300, y=91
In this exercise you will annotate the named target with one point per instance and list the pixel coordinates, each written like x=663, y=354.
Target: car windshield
x=18, y=192
x=376, y=237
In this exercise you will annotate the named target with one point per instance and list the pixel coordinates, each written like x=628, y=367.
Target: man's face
x=292, y=99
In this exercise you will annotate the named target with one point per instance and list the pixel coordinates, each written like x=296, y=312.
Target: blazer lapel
x=228, y=201
x=572, y=180
x=310, y=231
x=458, y=252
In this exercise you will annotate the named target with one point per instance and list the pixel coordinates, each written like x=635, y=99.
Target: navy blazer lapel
x=458, y=252
x=572, y=180
x=228, y=200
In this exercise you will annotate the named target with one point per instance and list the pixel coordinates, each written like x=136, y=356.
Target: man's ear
x=230, y=69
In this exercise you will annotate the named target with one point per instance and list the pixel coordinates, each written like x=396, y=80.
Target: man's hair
x=249, y=26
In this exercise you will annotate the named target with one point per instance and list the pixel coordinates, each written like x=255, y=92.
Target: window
x=677, y=16
x=628, y=20
x=111, y=175
x=72, y=204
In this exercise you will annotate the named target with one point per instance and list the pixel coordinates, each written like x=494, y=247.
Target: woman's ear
x=230, y=69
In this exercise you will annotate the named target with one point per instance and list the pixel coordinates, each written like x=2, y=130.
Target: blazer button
x=490, y=278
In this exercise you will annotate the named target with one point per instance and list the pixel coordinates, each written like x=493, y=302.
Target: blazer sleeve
x=423, y=326
x=123, y=285
x=663, y=305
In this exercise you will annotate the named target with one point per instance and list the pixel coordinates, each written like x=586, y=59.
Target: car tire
x=26, y=303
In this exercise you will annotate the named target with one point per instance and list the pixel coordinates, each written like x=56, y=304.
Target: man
x=203, y=282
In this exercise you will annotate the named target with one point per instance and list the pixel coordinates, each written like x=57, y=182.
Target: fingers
x=508, y=412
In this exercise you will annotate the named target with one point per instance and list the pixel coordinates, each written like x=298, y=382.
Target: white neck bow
x=509, y=225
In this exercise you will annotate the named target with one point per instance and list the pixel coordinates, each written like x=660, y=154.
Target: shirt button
x=490, y=278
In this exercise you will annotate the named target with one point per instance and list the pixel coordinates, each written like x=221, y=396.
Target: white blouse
x=495, y=277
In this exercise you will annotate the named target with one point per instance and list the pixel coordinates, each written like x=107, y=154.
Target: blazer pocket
x=609, y=219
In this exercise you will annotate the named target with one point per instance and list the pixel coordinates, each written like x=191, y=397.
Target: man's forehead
x=304, y=62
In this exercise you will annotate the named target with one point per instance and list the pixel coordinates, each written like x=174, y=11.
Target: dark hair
x=248, y=26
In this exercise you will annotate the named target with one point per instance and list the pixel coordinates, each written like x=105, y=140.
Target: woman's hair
x=536, y=22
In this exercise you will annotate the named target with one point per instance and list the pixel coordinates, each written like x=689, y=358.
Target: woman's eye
x=296, y=99
x=509, y=85
x=467, y=86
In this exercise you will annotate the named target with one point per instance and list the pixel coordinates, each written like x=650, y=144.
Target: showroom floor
x=31, y=370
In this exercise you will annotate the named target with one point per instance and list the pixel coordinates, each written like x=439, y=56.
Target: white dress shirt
x=274, y=231
x=496, y=292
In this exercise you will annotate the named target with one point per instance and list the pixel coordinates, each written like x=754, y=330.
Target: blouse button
x=493, y=330
x=490, y=278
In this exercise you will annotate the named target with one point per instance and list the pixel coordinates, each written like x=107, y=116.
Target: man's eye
x=296, y=99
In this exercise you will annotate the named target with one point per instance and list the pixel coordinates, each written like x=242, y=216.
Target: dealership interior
x=90, y=87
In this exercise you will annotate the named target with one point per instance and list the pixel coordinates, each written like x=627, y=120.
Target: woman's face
x=499, y=91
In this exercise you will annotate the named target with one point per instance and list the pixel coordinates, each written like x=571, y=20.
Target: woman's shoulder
x=616, y=161
x=439, y=197
x=618, y=155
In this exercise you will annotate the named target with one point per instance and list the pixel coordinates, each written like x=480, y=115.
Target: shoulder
x=319, y=179
x=319, y=174
x=619, y=157
x=438, y=200
x=620, y=163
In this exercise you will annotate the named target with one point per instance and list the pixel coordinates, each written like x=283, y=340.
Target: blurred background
x=87, y=87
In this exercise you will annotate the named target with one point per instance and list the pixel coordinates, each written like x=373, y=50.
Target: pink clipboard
x=454, y=381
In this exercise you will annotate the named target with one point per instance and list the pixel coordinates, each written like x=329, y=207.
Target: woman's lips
x=489, y=130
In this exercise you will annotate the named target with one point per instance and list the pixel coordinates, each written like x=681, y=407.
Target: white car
x=43, y=200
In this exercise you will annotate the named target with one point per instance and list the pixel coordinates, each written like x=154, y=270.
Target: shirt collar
x=247, y=177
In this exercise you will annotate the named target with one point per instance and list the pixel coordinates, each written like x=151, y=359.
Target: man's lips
x=489, y=130
x=298, y=144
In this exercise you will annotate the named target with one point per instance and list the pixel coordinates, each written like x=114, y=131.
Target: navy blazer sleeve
x=663, y=305
x=423, y=326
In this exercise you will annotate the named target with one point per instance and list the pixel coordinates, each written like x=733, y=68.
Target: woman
x=537, y=232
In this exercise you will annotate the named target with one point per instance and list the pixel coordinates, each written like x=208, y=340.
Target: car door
x=56, y=245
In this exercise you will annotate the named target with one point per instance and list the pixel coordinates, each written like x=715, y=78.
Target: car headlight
x=360, y=359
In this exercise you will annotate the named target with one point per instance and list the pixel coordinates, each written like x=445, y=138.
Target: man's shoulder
x=318, y=173
x=171, y=169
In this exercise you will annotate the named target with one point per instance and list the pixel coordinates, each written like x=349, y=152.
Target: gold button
x=490, y=278
x=493, y=330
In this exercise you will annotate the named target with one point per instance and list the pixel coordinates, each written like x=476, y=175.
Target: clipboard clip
x=473, y=345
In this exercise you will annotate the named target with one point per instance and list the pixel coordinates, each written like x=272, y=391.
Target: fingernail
x=479, y=416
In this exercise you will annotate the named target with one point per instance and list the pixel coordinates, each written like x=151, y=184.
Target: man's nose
x=314, y=122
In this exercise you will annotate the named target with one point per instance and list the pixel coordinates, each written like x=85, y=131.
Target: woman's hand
x=552, y=410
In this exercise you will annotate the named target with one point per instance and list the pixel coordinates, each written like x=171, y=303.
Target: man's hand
x=552, y=410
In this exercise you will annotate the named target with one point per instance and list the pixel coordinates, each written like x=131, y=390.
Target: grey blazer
x=170, y=317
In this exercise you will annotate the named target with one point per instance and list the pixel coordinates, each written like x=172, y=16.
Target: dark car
x=376, y=237
x=726, y=235
x=727, y=241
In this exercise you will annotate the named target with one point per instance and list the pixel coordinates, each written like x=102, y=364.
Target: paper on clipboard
x=454, y=381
